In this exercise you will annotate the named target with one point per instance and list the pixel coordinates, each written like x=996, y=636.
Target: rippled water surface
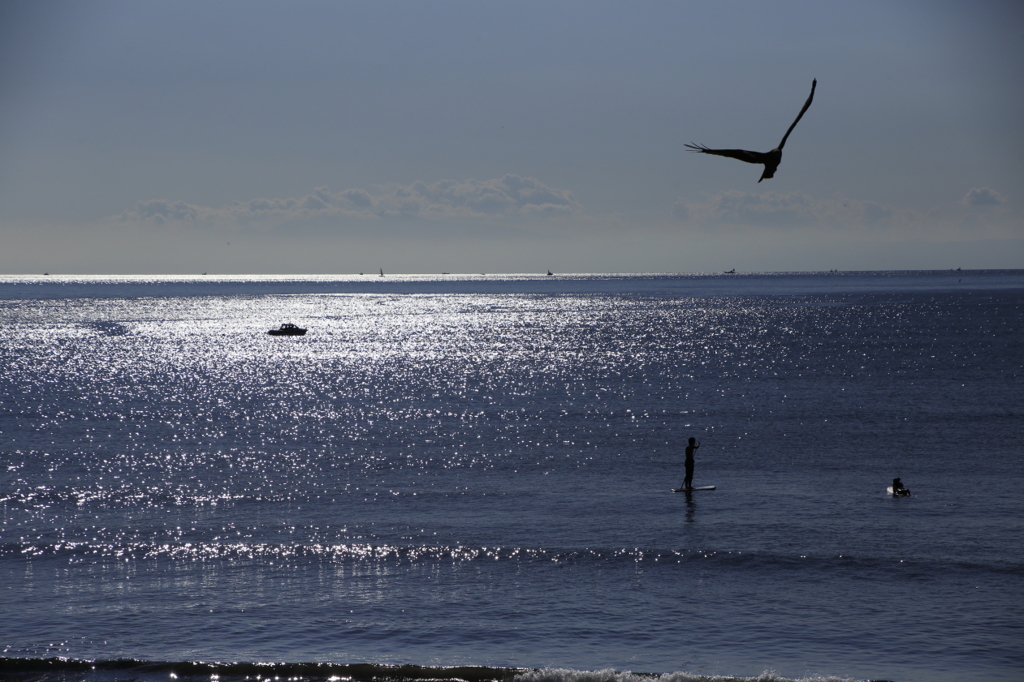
x=477, y=471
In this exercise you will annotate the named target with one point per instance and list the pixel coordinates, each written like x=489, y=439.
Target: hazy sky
x=475, y=136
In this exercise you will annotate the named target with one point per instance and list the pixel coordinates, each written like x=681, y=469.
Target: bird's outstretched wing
x=741, y=154
x=810, y=98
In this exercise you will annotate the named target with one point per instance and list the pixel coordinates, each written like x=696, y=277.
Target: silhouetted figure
x=898, y=490
x=688, y=481
x=769, y=159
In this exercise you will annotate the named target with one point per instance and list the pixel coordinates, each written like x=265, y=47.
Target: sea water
x=470, y=477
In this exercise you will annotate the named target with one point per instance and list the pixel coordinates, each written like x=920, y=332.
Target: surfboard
x=699, y=487
x=904, y=493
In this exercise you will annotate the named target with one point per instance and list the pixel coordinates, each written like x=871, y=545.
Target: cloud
x=507, y=196
x=358, y=197
x=783, y=210
x=777, y=211
x=160, y=211
x=511, y=196
x=982, y=196
x=753, y=213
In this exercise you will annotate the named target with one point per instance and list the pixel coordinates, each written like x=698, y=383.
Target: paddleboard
x=699, y=487
x=904, y=493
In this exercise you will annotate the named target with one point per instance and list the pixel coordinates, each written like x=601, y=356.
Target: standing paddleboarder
x=688, y=481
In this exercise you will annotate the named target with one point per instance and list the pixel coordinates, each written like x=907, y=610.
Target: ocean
x=470, y=477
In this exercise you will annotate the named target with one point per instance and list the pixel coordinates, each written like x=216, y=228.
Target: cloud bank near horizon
x=515, y=199
x=981, y=212
x=508, y=197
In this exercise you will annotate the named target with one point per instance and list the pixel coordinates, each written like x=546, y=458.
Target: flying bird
x=769, y=159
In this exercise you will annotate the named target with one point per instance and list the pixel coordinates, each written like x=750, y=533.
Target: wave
x=72, y=670
x=394, y=554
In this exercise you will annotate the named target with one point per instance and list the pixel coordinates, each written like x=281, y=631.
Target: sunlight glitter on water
x=474, y=460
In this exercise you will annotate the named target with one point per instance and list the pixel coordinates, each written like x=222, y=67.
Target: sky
x=306, y=137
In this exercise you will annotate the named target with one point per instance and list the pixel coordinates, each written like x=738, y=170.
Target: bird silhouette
x=770, y=159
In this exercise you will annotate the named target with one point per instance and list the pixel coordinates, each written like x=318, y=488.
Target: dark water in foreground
x=469, y=477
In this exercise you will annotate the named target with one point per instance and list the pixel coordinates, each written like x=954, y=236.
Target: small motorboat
x=287, y=330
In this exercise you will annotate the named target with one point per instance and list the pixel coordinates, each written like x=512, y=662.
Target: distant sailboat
x=549, y=273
